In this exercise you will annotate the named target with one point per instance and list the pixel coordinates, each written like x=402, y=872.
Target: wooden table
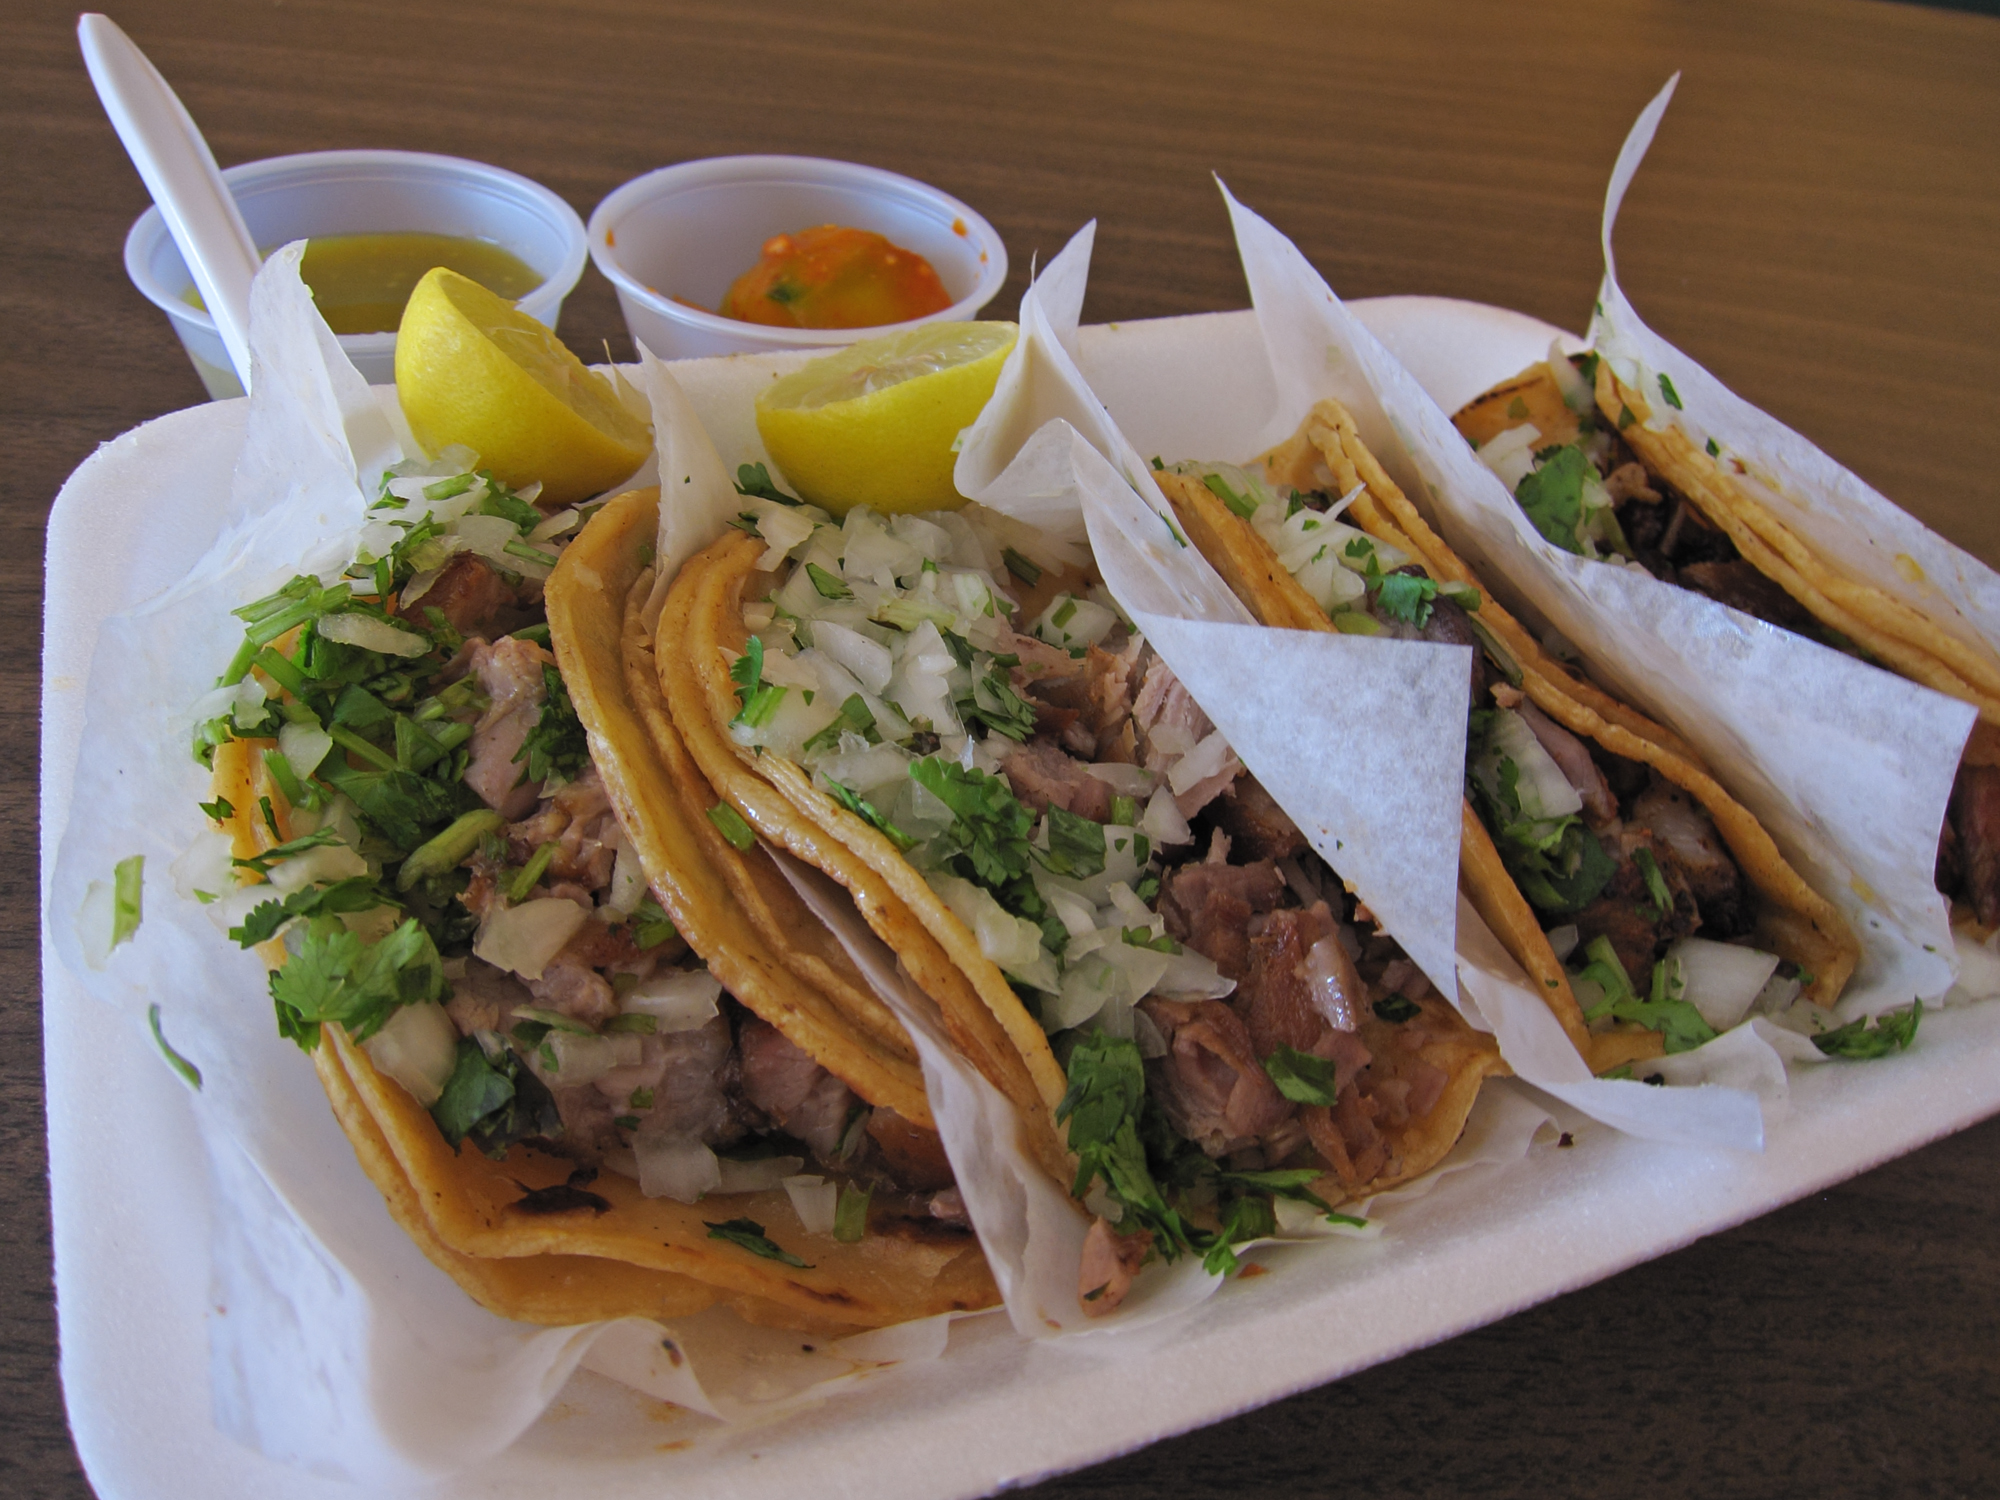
x=1817, y=222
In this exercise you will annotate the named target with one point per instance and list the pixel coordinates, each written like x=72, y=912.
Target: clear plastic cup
x=689, y=230
x=286, y=198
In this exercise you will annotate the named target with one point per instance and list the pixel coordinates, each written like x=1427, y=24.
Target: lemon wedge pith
x=472, y=369
x=874, y=424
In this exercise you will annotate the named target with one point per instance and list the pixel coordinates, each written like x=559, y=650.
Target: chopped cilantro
x=1407, y=597
x=1301, y=1077
x=1241, y=505
x=1656, y=883
x=760, y=698
x=1666, y=1010
x=1667, y=390
x=356, y=893
x=190, y=1074
x=335, y=976
x=1023, y=568
x=220, y=809
x=992, y=701
x=1076, y=845
x=750, y=1235
x=262, y=863
x=1396, y=1009
x=1713, y=450
x=755, y=479
x=855, y=717
x=730, y=822
x=850, y=1213
x=556, y=746
x=828, y=585
x=1858, y=1040
x=988, y=839
x=1552, y=496
x=865, y=810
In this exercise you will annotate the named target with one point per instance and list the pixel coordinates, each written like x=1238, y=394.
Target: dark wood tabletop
x=1818, y=223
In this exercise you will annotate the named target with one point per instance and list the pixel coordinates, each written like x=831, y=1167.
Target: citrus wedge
x=471, y=369
x=875, y=423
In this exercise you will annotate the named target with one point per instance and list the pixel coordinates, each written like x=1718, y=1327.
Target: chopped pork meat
x=1678, y=821
x=1281, y=998
x=1208, y=906
x=510, y=673
x=782, y=1080
x=485, y=998
x=1110, y=1262
x=1975, y=818
x=575, y=989
x=471, y=595
x=915, y=1156
x=1042, y=775
x=1097, y=694
x=1257, y=825
x=1170, y=724
x=1211, y=1083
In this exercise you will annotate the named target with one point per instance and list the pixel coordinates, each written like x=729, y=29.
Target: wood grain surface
x=1818, y=223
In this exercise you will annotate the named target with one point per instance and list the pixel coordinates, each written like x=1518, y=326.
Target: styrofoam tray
x=133, y=1204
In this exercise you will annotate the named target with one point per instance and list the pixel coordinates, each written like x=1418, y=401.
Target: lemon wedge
x=471, y=369
x=875, y=423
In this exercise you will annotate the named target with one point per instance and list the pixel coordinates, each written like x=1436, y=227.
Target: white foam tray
x=132, y=1203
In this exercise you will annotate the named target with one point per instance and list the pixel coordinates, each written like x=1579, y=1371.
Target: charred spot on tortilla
x=562, y=1197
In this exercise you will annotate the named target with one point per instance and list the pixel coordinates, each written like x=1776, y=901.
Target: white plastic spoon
x=179, y=171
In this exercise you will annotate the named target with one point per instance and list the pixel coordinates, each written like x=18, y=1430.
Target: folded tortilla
x=703, y=617
x=530, y=1237
x=1793, y=920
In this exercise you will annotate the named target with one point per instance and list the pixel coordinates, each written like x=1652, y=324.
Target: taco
x=1591, y=834
x=1203, y=1033
x=549, y=1010
x=1578, y=449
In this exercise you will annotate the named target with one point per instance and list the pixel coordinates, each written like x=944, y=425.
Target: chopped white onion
x=1722, y=978
x=628, y=879
x=418, y=1047
x=1190, y=976
x=522, y=939
x=1576, y=392
x=677, y=999
x=1203, y=761
x=814, y=1200
x=1126, y=781
x=328, y=862
x=1013, y=943
x=783, y=527
x=1162, y=821
x=1564, y=940
x=304, y=746
x=675, y=1167
x=1511, y=455
x=1152, y=1041
x=371, y=634
x=585, y=1059
x=869, y=661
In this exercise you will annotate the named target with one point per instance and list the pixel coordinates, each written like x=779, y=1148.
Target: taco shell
x=1794, y=920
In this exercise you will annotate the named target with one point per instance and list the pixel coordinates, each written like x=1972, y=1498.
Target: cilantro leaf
x=1076, y=845
x=862, y=808
x=556, y=746
x=1858, y=1040
x=335, y=976
x=828, y=585
x=855, y=717
x=993, y=702
x=1301, y=1077
x=356, y=893
x=1396, y=1009
x=988, y=839
x=1242, y=505
x=1552, y=496
x=755, y=479
x=1407, y=597
x=750, y=1235
x=651, y=926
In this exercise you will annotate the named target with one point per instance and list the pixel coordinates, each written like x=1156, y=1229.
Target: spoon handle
x=179, y=171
